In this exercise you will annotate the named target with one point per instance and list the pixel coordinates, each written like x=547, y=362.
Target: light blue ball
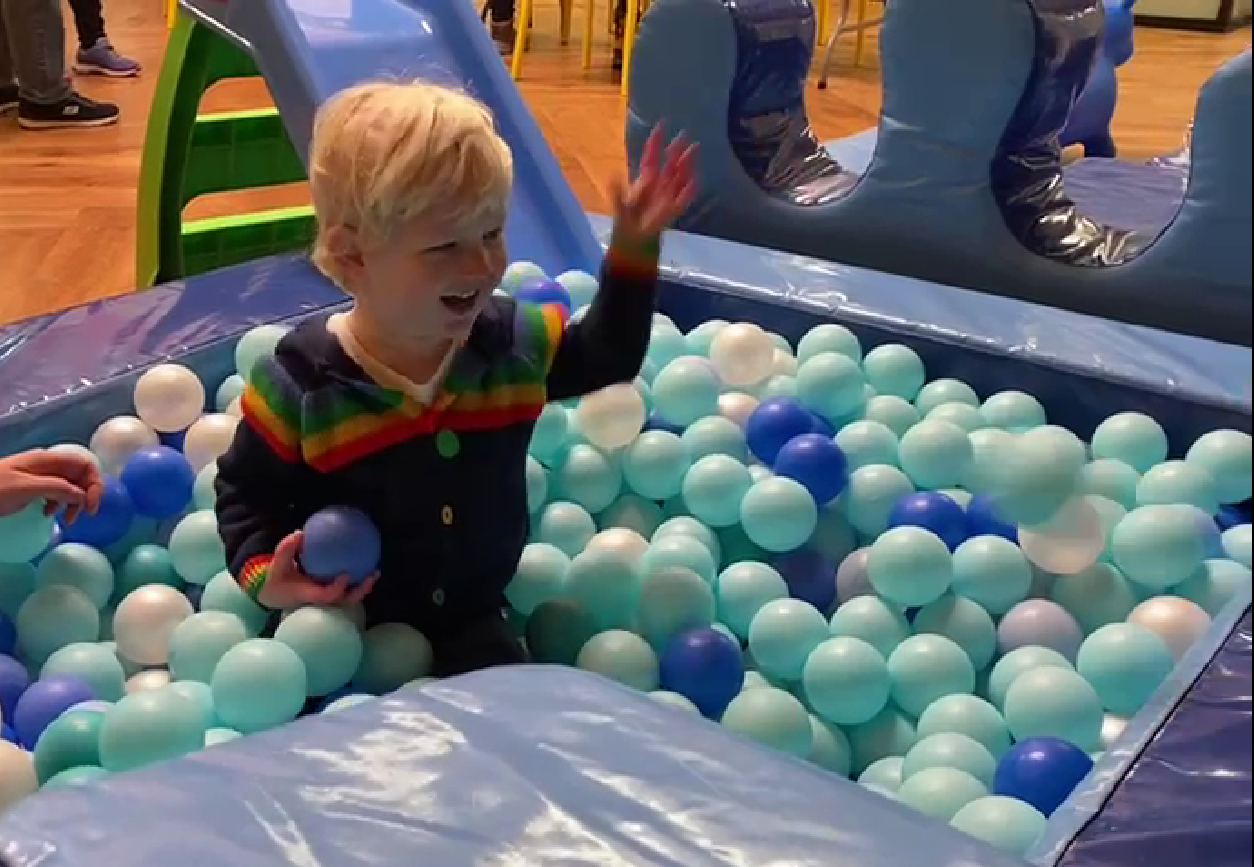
x=581, y=285
x=1158, y=546
x=963, y=622
x=622, y=656
x=1005, y=823
x=517, y=274
x=53, y=617
x=1013, y=410
x=548, y=437
x=257, y=343
x=700, y=338
x=910, y=566
x=1112, y=479
x=686, y=389
x=992, y=572
x=967, y=715
x=198, y=642
x=259, y=684
x=72, y=564
x=927, y=667
x=686, y=525
x=676, y=549
x=1214, y=584
x=1095, y=597
x=771, y=717
x=537, y=480
x=872, y=620
x=1125, y=663
x=1050, y=701
x=846, y=680
x=895, y=413
x=588, y=477
x=223, y=593
x=867, y=442
x=942, y=391
x=951, y=750
x=990, y=450
x=196, y=548
x=654, y=464
x=17, y=582
x=936, y=454
x=327, y=643
x=666, y=343
x=889, y=733
x=782, y=635
x=833, y=536
x=1178, y=482
x=1226, y=456
x=347, y=701
x=780, y=385
x=713, y=489
x=675, y=700
x=606, y=583
x=231, y=388
x=962, y=415
x=219, y=735
x=742, y=590
x=778, y=514
x=870, y=495
x=1131, y=437
x=1041, y=471
x=632, y=512
x=25, y=533
x=94, y=664
x=940, y=792
x=829, y=748
x=148, y=727
x=829, y=337
x=831, y=384
x=203, y=494
x=146, y=564
x=1017, y=662
x=715, y=435
x=567, y=526
x=1237, y=544
x=672, y=598
x=894, y=369
x=540, y=576
x=885, y=773
x=199, y=694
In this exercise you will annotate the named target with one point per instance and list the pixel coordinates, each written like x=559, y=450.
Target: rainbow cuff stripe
x=633, y=258
x=253, y=575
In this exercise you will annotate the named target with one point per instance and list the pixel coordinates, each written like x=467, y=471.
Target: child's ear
x=344, y=247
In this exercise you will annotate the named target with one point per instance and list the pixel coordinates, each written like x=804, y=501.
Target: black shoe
x=8, y=97
x=74, y=111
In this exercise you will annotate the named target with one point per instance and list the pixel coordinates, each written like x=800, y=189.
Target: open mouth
x=460, y=303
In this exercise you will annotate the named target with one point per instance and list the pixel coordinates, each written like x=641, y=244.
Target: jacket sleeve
x=608, y=344
x=262, y=474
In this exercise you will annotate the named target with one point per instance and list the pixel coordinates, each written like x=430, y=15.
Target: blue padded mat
x=527, y=767
x=1188, y=798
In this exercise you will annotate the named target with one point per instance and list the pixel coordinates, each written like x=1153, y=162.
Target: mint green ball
x=940, y=792
x=771, y=717
x=1005, y=823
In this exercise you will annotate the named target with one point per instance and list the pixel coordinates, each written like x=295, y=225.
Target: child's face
x=431, y=279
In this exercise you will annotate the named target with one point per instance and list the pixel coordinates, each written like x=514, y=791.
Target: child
x=417, y=404
x=60, y=478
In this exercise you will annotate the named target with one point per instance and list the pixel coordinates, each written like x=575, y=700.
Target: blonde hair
x=385, y=154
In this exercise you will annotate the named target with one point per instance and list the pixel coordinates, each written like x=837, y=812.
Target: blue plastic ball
x=545, y=291
x=340, y=540
x=44, y=701
x=1042, y=772
x=931, y=511
x=705, y=666
x=809, y=576
x=984, y=520
x=159, y=481
x=109, y=523
x=14, y=679
x=816, y=462
x=773, y=422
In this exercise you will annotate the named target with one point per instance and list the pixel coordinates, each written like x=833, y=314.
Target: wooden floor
x=67, y=198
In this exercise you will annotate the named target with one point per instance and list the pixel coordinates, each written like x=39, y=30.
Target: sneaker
x=8, y=98
x=503, y=34
x=73, y=111
x=103, y=59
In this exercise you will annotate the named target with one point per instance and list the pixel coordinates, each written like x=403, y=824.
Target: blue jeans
x=32, y=49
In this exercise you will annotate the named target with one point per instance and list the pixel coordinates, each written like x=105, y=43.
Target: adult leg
x=502, y=14
x=96, y=54
x=8, y=75
x=482, y=644
x=36, y=39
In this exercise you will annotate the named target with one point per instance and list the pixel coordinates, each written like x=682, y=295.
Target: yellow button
x=446, y=515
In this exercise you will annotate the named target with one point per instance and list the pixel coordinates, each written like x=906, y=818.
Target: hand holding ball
x=339, y=540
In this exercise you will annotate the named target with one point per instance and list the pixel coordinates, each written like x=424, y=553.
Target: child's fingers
x=361, y=591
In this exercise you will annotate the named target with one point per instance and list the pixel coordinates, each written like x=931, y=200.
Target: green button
x=447, y=444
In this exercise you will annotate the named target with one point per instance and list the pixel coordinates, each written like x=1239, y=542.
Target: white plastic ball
x=149, y=678
x=169, y=397
x=1069, y=542
x=17, y=775
x=737, y=406
x=783, y=363
x=626, y=544
x=208, y=439
x=743, y=354
x=1178, y=622
x=612, y=417
x=257, y=343
x=77, y=450
x=145, y=620
x=120, y=437
x=235, y=408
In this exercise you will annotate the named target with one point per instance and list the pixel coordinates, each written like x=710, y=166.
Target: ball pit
x=892, y=578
